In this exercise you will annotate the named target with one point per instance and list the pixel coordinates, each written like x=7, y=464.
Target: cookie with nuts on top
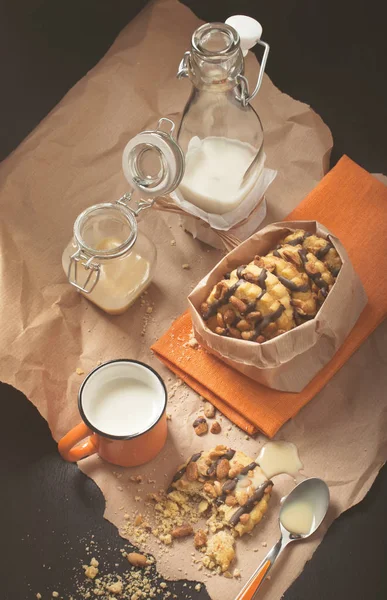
x=322, y=249
x=274, y=292
x=251, y=304
x=303, y=298
x=233, y=493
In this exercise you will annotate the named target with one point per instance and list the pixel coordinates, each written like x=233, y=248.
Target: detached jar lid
x=153, y=162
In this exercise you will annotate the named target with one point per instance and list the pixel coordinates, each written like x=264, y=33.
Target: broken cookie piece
x=215, y=497
x=224, y=473
x=200, y=426
x=220, y=550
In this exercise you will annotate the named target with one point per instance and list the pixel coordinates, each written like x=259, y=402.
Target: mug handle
x=68, y=448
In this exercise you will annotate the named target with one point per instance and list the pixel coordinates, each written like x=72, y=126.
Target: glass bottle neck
x=216, y=59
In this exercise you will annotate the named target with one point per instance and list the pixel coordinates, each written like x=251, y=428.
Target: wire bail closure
x=243, y=95
x=88, y=265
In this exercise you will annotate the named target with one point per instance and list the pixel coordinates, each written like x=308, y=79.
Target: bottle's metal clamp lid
x=153, y=162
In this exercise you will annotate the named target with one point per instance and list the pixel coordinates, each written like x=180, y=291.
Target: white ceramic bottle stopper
x=249, y=31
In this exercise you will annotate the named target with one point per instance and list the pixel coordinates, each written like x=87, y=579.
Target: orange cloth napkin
x=353, y=205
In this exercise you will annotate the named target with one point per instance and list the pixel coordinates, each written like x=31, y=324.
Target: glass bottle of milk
x=220, y=133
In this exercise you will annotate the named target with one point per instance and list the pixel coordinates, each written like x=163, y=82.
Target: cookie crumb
x=173, y=242
x=115, y=588
x=79, y=371
x=39, y=596
x=193, y=343
x=136, y=478
x=198, y=587
x=55, y=594
x=186, y=266
x=200, y=426
x=90, y=572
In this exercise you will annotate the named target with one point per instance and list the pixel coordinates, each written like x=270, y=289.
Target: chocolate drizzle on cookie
x=248, y=507
x=179, y=474
x=248, y=468
x=211, y=471
x=262, y=283
x=269, y=319
x=239, y=271
x=297, y=241
x=213, y=309
x=293, y=287
x=231, y=484
x=315, y=277
x=323, y=251
x=335, y=271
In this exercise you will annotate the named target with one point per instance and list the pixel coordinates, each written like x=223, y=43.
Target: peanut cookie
x=320, y=278
x=295, y=280
x=252, y=304
x=233, y=486
x=320, y=247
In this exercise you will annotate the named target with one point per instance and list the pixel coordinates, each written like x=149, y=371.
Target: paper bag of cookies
x=280, y=305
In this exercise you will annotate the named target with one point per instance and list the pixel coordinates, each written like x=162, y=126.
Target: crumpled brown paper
x=290, y=361
x=47, y=329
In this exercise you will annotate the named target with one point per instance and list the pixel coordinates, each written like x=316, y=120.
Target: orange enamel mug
x=123, y=408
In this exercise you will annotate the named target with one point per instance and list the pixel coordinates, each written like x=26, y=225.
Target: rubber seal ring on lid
x=161, y=148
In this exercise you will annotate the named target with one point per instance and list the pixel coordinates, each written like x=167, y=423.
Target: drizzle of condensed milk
x=276, y=458
x=298, y=517
x=255, y=480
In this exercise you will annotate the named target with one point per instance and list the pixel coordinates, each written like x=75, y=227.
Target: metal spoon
x=315, y=493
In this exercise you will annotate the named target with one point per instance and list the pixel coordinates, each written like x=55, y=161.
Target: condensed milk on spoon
x=298, y=516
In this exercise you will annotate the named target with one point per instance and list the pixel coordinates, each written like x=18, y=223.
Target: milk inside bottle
x=219, y=173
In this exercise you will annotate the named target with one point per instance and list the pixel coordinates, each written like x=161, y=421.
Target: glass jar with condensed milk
x=108, y=259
